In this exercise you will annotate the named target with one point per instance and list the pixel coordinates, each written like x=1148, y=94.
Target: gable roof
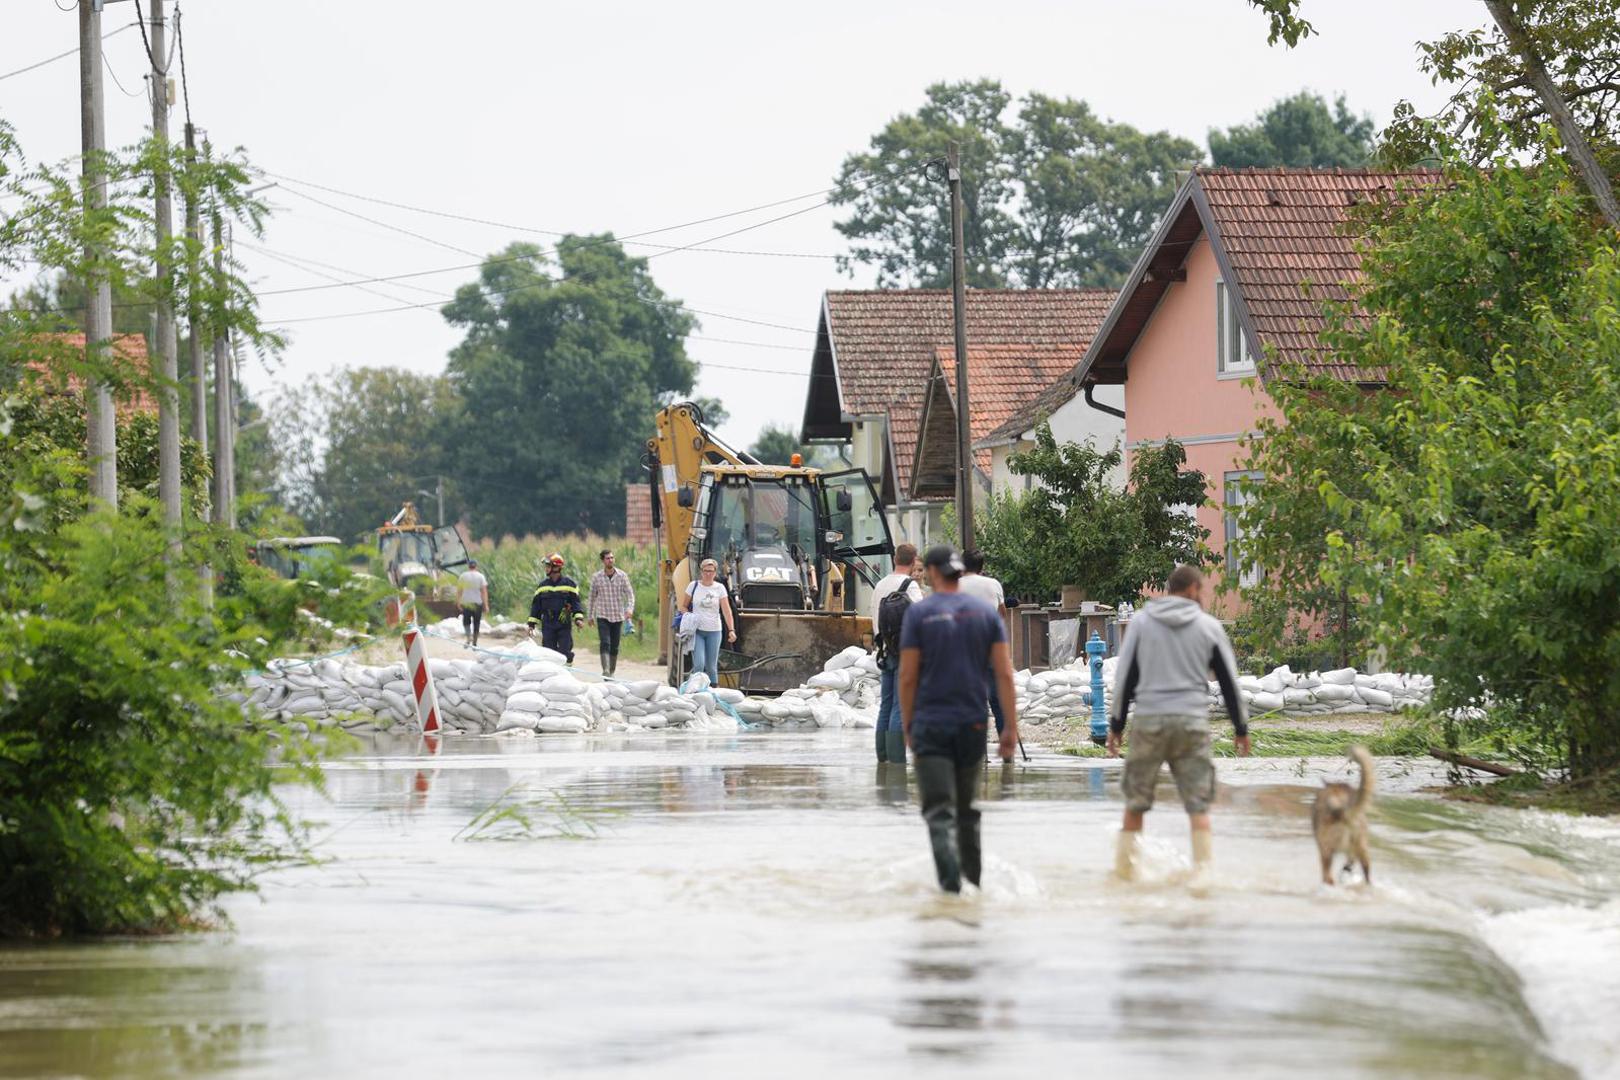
x=1279, y=238
x=875, y=349
x=1026, y=416
x=1002, y=379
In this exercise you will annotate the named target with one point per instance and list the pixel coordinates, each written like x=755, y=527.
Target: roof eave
x=1137, y=275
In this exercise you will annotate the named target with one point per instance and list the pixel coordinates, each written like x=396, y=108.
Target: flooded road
x=763, y=905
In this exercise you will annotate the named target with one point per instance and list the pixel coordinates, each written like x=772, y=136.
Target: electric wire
x=63, y=55
x=106, y=63
x=180, y=47
x=290, y=184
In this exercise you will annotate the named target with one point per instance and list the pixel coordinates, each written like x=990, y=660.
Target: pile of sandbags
x=493, y=626
x=545, y=697
x=1065, y=692
x=1061, y=692
x=843, y=694
x=1343, y=690
x=528, y=688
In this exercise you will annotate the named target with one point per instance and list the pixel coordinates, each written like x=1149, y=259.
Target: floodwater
x=762, y=905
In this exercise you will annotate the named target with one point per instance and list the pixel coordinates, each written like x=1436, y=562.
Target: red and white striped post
x=427, y=700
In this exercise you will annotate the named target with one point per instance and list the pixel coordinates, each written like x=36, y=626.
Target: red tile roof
x=130, y=348
x=885, y=342
x=1282, y=233
x=1003, y=380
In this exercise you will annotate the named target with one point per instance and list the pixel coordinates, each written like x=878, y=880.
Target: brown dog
x=1339, y=819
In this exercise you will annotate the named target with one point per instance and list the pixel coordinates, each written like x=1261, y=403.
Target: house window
x=1231, y=351
x=1238, y=493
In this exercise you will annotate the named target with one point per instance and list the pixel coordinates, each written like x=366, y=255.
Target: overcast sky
x=635, y=116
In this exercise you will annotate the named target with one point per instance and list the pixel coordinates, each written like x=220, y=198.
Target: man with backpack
x=891, y=597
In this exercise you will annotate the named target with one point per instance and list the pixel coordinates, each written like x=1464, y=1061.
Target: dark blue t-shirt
x=954, y=633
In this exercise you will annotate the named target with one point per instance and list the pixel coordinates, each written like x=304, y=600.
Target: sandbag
x=516, y=721
x=527, y=701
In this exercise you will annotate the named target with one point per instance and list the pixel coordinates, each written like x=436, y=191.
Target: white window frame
x=1230, y=500
x=1232, y=356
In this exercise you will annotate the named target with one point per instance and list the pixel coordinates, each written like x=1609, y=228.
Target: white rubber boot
x=1203, y=875
x=1125, y=854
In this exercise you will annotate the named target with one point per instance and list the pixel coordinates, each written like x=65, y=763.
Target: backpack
x=891, y=616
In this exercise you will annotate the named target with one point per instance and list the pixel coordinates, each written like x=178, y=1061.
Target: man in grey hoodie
x=1169, y=653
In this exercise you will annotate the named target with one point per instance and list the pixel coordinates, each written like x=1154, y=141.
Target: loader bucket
x=778, y=650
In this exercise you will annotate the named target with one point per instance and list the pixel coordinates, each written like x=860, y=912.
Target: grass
x=1598, y=794
x=1401, y=737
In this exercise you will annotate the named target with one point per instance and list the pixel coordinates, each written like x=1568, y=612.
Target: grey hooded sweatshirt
x=1171, y=648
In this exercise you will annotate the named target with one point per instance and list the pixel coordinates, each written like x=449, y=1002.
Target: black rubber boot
x=936, y=784
x=895, y=748
x=967, y=822
x=607, y=662
x=882, y=746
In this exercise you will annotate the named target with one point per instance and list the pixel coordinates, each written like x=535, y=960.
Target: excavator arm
x=676, y=456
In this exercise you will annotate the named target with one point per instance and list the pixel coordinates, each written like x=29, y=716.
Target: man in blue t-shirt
x=946, y=643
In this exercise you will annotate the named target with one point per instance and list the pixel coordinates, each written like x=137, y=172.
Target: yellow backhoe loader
x=798, y=549
x=422, y=560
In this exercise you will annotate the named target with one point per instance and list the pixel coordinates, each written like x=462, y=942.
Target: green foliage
x=1493, y=110
x=354, y=445
x=558, y=377
x=1055, y=197
x=1286, y=25
x=1469, y=511
x=44, y=420
x=1297, y=131
x=1075, y=528
x=777, y=443
x=131, y=795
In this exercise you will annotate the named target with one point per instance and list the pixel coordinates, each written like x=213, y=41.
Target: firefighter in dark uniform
x=556, y=609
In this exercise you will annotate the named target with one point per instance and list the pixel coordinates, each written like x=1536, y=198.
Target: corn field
x=512, y=565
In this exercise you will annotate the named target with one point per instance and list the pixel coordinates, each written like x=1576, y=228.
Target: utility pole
x=101, y=429
x=438, y=490
x=224, y=394
x=168, y=361
x=194, y=349
x=964, y=437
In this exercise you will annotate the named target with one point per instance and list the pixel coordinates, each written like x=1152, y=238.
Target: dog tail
x=1364, y=759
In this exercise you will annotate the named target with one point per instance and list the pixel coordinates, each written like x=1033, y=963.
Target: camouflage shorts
x=1183, y=742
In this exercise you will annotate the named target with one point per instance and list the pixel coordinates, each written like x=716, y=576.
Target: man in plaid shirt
x=612, y=603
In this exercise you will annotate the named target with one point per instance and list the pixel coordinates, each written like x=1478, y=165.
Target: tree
x=1057, y=197
x=355, y=445
x=1075, y=528
x=777, y=443
x=1297, y=131
x=1541, y=62
x=1467, y=511
x=558, y=378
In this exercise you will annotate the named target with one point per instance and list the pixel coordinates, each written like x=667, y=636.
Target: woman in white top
x=710, y=601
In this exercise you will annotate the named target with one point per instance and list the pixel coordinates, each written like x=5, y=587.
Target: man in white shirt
x=473, y=593
x=974, y=582
x=891, y=736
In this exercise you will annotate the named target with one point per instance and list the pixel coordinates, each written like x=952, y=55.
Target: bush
x=131, y=796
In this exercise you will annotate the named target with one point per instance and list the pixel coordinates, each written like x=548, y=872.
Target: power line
x=106, y=63
x=405, y=305
x=291, y=185
x=64, y=55
x=180, y=47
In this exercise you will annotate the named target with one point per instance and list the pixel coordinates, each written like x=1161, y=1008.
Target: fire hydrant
x=1099, y=712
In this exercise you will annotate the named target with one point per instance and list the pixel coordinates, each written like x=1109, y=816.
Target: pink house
x=1238, y=269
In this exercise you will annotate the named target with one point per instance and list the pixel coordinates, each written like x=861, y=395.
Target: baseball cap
x=944, y=558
